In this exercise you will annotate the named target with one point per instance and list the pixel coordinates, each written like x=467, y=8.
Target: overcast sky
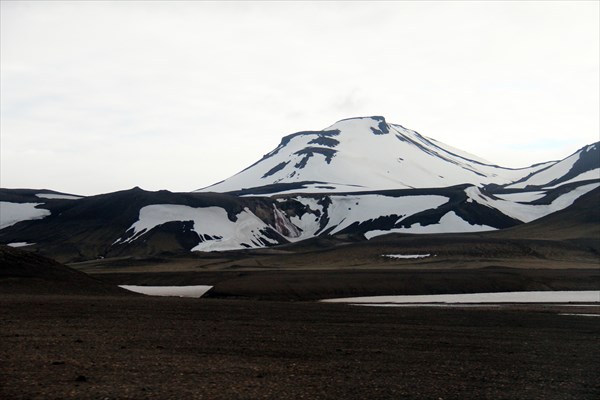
x=103, y=96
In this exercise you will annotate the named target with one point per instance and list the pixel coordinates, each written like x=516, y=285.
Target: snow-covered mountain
x=359, y=178
x=365, y=154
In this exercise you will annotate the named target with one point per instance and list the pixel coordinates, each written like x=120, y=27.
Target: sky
x=100, y=96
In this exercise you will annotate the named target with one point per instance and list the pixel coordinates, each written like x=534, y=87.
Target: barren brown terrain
x=134, y=347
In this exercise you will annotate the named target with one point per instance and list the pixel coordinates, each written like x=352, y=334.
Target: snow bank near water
x=587, y=296
x=175, y=291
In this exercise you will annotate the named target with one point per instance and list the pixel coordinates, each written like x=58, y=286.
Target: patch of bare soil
x=77, y=347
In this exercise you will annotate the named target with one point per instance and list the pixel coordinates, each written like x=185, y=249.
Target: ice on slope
x=11, y=213
x=223, y=234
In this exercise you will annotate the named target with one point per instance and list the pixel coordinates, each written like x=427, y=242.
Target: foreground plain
x=136, y=347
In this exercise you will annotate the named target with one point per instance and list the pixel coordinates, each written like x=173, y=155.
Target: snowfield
x=558, y=170
x=522, y=197
x=449, y=223
x=360, y=154
x=530, y=212
x=216, y=231
x=11, y=213
x=586, y=296
x=58, y=196
x=345, y=210
x=588, y=175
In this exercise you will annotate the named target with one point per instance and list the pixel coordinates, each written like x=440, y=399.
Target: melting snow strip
x=406, y=255
x=20, y=244
x=581, y=315
x=175, y=291
x=587, y=296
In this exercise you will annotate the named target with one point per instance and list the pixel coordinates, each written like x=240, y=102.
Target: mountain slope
x=140, y=223
x=137, y=222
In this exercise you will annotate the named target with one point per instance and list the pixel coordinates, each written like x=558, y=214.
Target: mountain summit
x=363, y=154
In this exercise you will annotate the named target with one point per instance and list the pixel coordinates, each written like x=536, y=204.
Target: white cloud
x=100, y=96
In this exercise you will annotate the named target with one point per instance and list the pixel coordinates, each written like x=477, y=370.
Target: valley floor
x=301, y=285
x=135, y=347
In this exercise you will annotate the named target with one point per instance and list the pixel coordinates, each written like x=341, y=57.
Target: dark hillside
x=27, y=273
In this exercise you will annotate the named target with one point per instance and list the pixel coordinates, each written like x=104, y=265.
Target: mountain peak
x=364, y=154
x=375, y=124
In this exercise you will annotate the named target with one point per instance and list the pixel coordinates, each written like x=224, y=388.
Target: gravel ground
x=130, y=347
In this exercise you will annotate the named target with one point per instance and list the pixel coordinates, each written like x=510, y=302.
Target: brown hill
x=27, y=273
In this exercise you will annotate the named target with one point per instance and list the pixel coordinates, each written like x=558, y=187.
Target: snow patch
x=546, y=176
x=20, y=244
x=196, y=291
x=584, y=296
x=216, y=231
x=11, y=213
x=309, y=223
x=449, y=223
x=581, y=315
x=587, y=175
x=530, y=212
x=58, y=196
x=406, y=255
x=521, y=197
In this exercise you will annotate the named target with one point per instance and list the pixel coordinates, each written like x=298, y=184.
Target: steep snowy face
x=361, y=154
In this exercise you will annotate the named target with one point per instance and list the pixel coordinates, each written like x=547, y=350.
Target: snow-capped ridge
x=367, y=153
x=582, y=165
